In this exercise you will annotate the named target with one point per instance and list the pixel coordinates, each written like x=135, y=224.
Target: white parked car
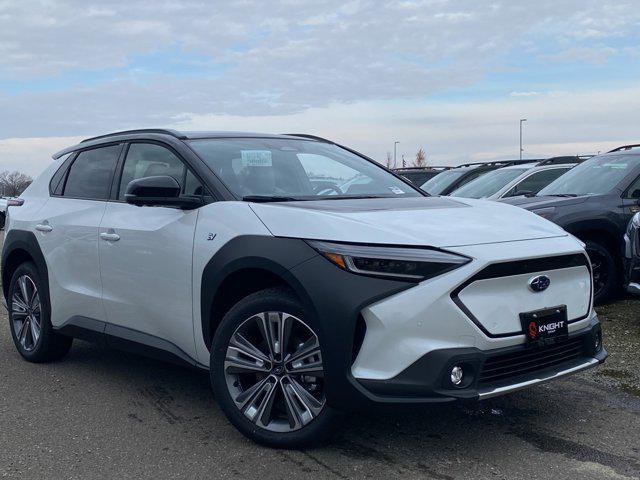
x=213, y=251
x=3, y=211
x=513, y=181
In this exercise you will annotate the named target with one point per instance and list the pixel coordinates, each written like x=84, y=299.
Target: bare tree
x=421, y=159
x=12, y=184
x=389, y=161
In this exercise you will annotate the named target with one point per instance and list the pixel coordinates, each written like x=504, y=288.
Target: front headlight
x=545, y=212
x=406, y=263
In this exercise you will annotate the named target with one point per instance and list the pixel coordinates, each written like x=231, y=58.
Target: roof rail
x=564, y=159
x=164, y=131
x=503, y=163
x=427, y=167
x=310, y=137
x=624, y=147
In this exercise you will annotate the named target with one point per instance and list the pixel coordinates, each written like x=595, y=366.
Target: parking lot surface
x=105, y=414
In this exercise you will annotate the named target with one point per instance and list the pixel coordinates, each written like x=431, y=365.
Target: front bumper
x=391, y=342
x=490, y=373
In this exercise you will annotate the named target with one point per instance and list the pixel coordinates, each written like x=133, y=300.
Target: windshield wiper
x=564, y=195
x=269, y=198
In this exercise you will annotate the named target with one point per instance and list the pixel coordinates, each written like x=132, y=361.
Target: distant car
x=419, y=175
x=446, y=182
x=4, y=204
x=632, y=255
x=595, y=202
x=517, y=180
x=3, y=212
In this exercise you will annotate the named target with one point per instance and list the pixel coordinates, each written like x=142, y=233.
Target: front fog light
x=597, y=341
x=456, y=375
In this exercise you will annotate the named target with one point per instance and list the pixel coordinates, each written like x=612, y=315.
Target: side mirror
x=160, y=191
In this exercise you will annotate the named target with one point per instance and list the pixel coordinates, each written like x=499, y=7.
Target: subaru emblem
x=539, y=283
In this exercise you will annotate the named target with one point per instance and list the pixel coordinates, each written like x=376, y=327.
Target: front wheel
x=605, y=271
x=267, y=372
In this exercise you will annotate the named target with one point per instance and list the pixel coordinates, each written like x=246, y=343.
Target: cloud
x=70, y=67
x=524, y=94
x=31, y=155
x=361, y=71
x=565, y=123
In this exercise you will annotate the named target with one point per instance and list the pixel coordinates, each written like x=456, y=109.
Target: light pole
x=522, y=120
x=395, y=144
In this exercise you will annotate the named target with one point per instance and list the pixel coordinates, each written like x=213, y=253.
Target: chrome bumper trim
x=484, y=394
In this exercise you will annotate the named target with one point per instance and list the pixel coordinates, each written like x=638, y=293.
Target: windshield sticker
x=616, y=165
x=256, y=158
x=396, y=190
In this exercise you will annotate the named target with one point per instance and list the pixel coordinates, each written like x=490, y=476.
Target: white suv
x=219, y=251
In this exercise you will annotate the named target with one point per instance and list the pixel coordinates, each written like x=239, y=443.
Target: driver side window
x=150, y=160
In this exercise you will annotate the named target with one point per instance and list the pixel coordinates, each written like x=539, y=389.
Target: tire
x=259, y=404
x=29, y=321
x=606, y=272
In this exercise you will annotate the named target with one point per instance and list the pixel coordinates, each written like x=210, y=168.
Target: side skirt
x=126, y=339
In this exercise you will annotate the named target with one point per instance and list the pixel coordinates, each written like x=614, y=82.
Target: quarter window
x=91, y=173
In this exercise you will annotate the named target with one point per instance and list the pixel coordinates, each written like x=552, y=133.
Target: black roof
x=181, y=135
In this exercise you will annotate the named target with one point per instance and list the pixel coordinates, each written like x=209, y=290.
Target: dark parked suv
x=595, y=201
x=419, y=175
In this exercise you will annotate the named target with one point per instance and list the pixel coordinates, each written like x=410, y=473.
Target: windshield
x=489, y=183
x=295, y=169
x=439, y=183
x=596, y=176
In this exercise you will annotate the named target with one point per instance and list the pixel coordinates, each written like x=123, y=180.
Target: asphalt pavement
x=105, y=414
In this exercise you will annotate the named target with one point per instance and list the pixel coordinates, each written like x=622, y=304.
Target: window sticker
x=396, y=190
x=622, y=166
x=256, y=158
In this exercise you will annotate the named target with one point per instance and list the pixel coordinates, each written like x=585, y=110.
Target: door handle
x=110, y=237
x=44, y=227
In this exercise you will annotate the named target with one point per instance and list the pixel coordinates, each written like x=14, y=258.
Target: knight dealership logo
x=549, y=328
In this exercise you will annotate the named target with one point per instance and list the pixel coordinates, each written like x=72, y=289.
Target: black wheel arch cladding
x=23, y=246
x=250, y=252
x=332, y=298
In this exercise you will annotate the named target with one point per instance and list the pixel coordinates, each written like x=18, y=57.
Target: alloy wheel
x=26, y=313
x=274, y=372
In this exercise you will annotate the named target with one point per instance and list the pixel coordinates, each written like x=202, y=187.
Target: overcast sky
x=453, y=76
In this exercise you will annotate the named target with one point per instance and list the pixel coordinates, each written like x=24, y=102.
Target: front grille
x=530, y=360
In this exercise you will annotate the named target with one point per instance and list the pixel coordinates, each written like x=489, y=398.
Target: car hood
x=534, y=203
x=427, y=221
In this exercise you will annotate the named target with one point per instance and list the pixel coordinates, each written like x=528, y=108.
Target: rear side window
x=91, y=173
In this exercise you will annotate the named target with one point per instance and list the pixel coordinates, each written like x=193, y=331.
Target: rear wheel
x=31, y=329
x=605, y=271
x=268, y=374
